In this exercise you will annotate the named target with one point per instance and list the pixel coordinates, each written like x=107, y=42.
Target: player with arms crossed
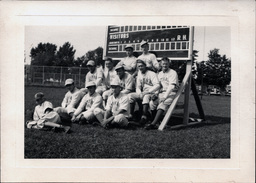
x=146, y=85
x=169, y=82
x=129, y=62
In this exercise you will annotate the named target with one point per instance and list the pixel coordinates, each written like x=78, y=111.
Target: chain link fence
x=54, y=75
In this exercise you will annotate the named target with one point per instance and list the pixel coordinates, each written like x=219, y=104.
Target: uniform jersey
x=71, y=100
x=39, y=111
x=89, y=103
x=150, y=59
x=98, y=73
x=131, y=62
x=147, y=80
x=118, y=103
x=109, y=76
x=168, y=78
x=127, y=82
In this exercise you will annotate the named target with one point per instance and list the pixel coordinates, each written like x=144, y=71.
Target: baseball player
x=95, y=74
x=44, y=116
x=126, y=80
x=169, y=82
x=129, y=61
x=92, y=100
x=117, y=108
x=109, y=75
x=70, y=102
x=147, y=84
x=149, y=58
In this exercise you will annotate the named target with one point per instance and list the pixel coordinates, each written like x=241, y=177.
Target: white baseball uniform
x=114, y=105
x=88, y=104
x=151, y=61
x=70, y=102
x=144, y=82
x=167, y=79
x=97, y=77
x=40, y=115
x=109, y=75
x=131, y=62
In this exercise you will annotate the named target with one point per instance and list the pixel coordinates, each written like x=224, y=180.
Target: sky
x=85, y=38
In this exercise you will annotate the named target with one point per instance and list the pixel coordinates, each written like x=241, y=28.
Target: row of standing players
x=110, y=94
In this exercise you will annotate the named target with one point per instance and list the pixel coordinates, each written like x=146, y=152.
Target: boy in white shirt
x=129, y=61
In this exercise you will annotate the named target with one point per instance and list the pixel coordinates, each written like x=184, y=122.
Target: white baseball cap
x=91, y=83
x=115, y=82
x=143, y=43
x=128, y=46
x=69, y=81
x=91, y=62
x=119, y=65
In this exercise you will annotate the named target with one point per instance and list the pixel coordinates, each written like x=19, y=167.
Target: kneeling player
x=169, y=82
x=92, y=100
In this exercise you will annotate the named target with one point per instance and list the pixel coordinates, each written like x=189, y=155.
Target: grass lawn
x=208, y=140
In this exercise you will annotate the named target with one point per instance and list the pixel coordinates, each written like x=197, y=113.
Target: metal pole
x=201, y=81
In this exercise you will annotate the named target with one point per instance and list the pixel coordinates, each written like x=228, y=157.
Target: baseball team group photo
x=127, y=92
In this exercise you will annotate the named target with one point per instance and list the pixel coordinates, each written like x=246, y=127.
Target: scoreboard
x=164, y=41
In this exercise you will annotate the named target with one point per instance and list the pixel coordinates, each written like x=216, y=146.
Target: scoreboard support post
x=187, y=84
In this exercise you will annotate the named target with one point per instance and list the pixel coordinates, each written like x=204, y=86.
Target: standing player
x=70, y=102
x=44, y=116
x=169, y=81
x=92, y=100
x=126, y=80
x=96, y=75
x=149, y=58
x=109, y=75
x=129, y=61
x=117, y=108
x=146, y=85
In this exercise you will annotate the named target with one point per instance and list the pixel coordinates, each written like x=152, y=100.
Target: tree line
x=216, y=70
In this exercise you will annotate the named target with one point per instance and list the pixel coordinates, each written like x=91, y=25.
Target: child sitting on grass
x=45, y=116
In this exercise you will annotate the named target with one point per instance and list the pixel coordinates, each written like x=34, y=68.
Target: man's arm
x=97, y=102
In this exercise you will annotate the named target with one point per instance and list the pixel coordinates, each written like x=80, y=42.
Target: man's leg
x=133, y=97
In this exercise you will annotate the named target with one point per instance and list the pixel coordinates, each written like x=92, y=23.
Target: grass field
x=208, y=140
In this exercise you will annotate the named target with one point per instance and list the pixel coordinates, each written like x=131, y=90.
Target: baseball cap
x=141, y=61
x=39, y=95
x=91, y=83
x=143, y=43
x=108, y=59
x=128, y=46
x=69, y=82
x=115, y=82
x=91, y=62
x=119, y=65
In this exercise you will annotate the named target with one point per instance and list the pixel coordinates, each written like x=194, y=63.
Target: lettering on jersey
x=89, y=103
x=147, y=81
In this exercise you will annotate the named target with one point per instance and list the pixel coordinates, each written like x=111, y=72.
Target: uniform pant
x=120, y=119
x=134, y=97
x=163, y=105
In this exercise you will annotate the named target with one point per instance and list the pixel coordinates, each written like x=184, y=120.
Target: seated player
x=125, y=79
x=117, y=108
x=169, y=81
x=149, y=58
x=129, y=61
x=92, y=100
x=96, y=75
x=109, y=75
x=146, y=85
x=44, y=116
x=70, y=102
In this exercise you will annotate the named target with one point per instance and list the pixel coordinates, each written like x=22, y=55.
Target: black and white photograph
x=128, y=91
x=182, y=91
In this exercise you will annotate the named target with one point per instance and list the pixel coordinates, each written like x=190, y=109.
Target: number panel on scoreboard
x=164, y=41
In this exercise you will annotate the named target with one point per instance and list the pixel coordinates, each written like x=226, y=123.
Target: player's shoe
x=66, y=129
x=150, y=127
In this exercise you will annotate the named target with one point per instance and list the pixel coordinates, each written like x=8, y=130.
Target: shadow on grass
x=209, y=120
